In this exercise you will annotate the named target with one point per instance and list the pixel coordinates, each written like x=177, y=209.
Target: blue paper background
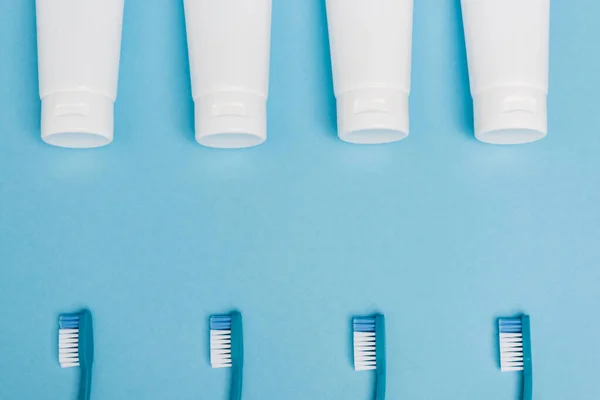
x=441, y=233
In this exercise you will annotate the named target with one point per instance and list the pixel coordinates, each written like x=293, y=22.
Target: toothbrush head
x=75, y=340
x=365, y=347
x=511, y=339
x=220, y=341
x=226, y=345
x=369, y=343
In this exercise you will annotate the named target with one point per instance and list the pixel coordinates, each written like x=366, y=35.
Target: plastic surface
x=78, y=50
x=231, y=119
x=237, y=356
x=380, y=385
x=508, y=52
x=527, y=359
x=372, y=116
x=229, y=50
x=371, y=52
x=86, y=354
x=77, y=119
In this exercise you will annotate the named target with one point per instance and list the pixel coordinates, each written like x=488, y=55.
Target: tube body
x=229, y=51
x=508, y=51
x=371, y=52
x=79, y=44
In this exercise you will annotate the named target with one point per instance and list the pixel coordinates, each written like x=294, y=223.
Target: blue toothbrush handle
x=527, y=387
x=380, y=385
x=527, y=359
x=85, y=384
x=237, y=356
x=236, y=384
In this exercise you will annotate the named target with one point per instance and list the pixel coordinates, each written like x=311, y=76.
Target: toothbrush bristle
x=365, y=355
x=68, y=340
x=220, y=341
x=511, y=344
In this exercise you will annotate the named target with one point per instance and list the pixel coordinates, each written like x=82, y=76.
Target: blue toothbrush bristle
x=220, y=323
x=511, y=344
x=68, y=340
x=68, y=321
x=510, y=325
x=220, y=341
x=365, y=352
x=364, y=324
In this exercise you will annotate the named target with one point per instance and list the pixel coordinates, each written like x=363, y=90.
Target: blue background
x=441, y=233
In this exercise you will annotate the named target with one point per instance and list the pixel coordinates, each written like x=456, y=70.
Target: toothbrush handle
x=236, y=384
x=527, y=386
x=527, y=364
x=380, y=385
x=85, y=384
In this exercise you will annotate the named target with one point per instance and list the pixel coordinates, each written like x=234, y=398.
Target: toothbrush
x=369, y=349
x=227, y=348
x=76, y=347
x=515, y=350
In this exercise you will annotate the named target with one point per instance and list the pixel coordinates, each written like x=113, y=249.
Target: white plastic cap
x=373, y=116
x=510, y=115
x=231, y=120
x=77, y=119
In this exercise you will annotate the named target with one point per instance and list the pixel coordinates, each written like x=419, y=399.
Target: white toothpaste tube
x=371, y=52
x=79, y=44
x=229, y=51
x=508, y=52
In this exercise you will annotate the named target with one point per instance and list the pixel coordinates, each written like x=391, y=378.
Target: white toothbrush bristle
x=68, y=342
x=220, y=349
